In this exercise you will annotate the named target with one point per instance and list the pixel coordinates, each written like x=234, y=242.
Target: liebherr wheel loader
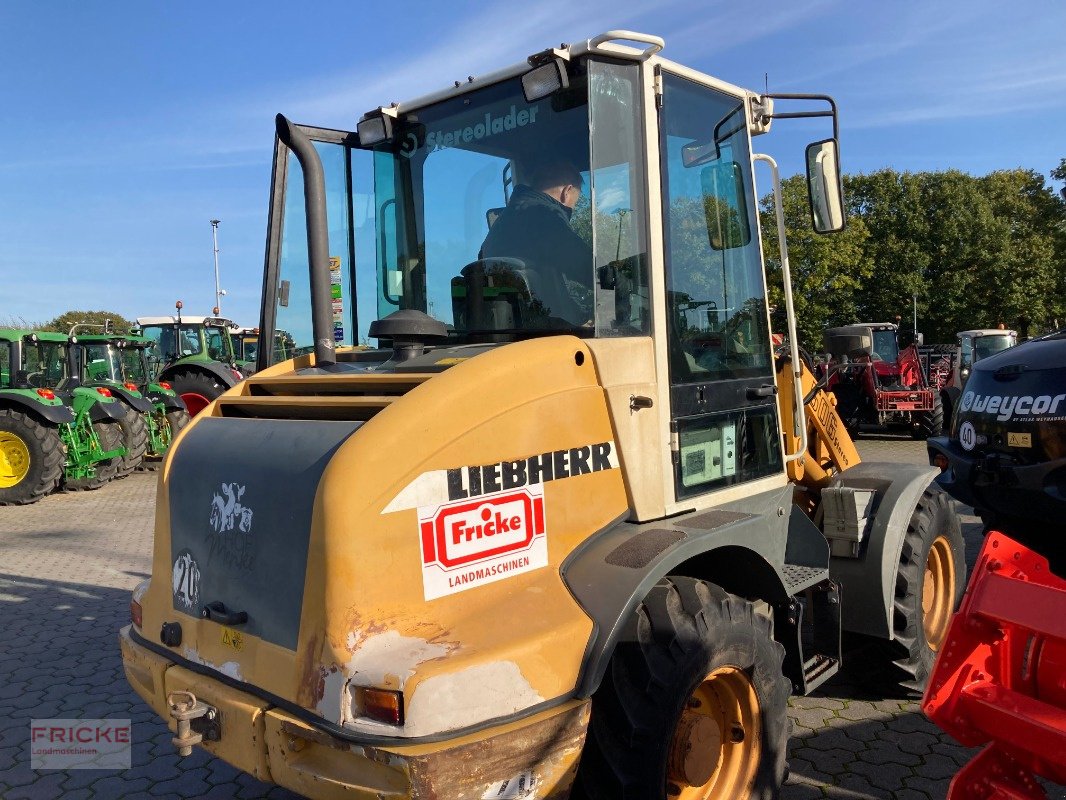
x=566, y=531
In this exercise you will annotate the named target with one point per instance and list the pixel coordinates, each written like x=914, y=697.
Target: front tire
x=930, y=581
x=693, y=705
x=135, y=439
x=929, y=423
x=31, y=458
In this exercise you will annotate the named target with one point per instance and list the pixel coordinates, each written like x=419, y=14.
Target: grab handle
x=216, y=612
x=655, y=43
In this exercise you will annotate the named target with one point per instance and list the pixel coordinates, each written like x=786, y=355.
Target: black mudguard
x=742, y=547
x=57, y=415
x=101, y=412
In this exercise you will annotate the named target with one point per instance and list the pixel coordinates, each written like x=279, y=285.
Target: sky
x=128, y=126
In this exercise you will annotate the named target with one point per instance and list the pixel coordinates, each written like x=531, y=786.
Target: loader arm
x=830, y=449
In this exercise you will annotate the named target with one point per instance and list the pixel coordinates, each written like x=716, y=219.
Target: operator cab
x=592, y=191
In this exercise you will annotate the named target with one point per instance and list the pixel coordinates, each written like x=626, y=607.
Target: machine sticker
x=1019, y=440
x=446, y=485
x=232, y=639
x=185, y=579
x=967, y=436
x=474, y=542
x=521, y=786
x=227, y=512
x=1041, y=407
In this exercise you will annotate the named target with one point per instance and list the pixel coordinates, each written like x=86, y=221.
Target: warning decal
x=480, y=540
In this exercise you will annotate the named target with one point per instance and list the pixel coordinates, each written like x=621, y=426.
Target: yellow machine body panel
x=433, y=550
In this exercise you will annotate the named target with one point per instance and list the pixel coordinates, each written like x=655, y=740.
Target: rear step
x=812, y=620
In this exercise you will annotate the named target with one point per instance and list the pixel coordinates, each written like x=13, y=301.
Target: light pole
x=219, y=292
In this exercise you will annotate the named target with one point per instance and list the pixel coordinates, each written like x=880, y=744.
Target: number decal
x=967, y=436
x=185, y=578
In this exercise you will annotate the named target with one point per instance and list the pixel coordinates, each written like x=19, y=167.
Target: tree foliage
x=64, y=322
x=973, y=251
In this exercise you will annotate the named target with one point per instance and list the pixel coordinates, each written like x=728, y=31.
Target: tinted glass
x=45, y=363
x=717, y=315
x=985, y=346
x=5, y=364
x=101, y=362
x=474, y=205
x=885, y=346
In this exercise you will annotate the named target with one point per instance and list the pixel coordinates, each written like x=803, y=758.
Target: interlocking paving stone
x=68, y=563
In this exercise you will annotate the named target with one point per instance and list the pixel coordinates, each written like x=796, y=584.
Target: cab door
x=723, y=405
x=285, y=317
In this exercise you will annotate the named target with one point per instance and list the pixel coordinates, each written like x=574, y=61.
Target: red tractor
x=877, y=384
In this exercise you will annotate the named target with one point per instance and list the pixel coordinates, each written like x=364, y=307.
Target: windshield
x=135, y=365
x=250, y=348
x=885, y=346
x=219, y=346
x=496, y=216
x=985, y=346
x=100, y=362
x=44, y=363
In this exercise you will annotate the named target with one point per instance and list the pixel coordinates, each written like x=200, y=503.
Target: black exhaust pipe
x=317, y=238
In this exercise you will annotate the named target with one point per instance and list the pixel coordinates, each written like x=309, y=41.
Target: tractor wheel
x=930, y=580
x=929, y=423
x=109, y=432
x=135, y=439
x=178, y=419
x=693, y=705
x=197, y=389
x=31, y=458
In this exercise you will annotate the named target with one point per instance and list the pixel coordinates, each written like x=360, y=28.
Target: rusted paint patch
x=549, y=750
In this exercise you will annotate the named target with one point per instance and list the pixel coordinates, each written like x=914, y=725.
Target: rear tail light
x=237, y=375
x=105, y=392
x=131, y=386
x=135, y=613
x=164, y=385
x=47, y=394
x=941, y=461
x=381, y=704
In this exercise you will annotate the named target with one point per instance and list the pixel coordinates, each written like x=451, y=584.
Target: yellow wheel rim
x=938, y=592
x=14, y=460
x=717, y=744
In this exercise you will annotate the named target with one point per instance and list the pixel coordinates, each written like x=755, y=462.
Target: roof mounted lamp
x=547, y=76
x=376, y=127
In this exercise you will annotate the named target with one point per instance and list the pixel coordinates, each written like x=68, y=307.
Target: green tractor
x=120, y=363
x=194, y=354
x=53, y=430
x=246, y=346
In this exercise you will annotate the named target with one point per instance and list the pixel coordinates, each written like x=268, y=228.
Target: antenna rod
x=218, y=291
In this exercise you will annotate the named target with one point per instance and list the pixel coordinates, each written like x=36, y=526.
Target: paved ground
x=68, y=563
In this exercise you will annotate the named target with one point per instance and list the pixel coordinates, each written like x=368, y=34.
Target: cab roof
x=14, y=334
x=988, y=332
x=186, y=319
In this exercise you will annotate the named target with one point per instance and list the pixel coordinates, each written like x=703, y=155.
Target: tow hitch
x=196, y=720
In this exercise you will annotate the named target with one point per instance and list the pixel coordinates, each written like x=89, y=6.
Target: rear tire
x=930, y=581
x=31, y=458
x=135, y=439
x=929, y=423
x=178, y=419
x=695, y=682
x=197, y=389
x=109, y=432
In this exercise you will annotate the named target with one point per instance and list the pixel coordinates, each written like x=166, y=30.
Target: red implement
x=1000, y=678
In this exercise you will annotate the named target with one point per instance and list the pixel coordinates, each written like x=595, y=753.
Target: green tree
x=64, y=322
x=827, y=270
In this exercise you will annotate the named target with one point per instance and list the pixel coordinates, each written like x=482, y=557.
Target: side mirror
x=823, y=186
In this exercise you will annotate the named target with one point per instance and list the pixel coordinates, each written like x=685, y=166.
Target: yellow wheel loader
x=571, y=529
